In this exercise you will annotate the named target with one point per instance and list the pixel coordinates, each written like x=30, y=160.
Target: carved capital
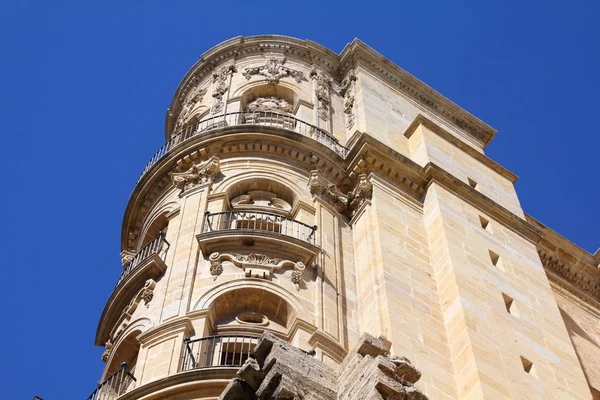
x=327, y=191
x=197, y=174
x=361, y=193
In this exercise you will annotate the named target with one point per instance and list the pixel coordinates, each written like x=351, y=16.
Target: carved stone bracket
x=127, y=257
x=327, y=191
x=256, y=265
x=197, y=174
x=361, y=193
x=221, y=79
x=274, y=69
x=107, y=349
x=323, y=83
x=348, y=91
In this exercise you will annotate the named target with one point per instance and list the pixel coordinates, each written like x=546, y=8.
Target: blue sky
x=84, y=89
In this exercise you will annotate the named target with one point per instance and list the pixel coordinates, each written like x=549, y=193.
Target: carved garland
x=197, y=174
x=347, y=90
x=221, y=79
x=323, y=83
x=274, y=69
x=256, y=265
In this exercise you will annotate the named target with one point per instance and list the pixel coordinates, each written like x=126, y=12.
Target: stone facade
x=312, y=197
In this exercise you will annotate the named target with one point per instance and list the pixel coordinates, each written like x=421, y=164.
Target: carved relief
x=298, y=275
x=347, y=90
x=361, y=193
x=257, y=265
x=107, y=349
x=323, y=83
x=572, y=275
x=271, y=103
x=327, y=191
x=197, y=174
x=221, y=79
x=192, y=100
x=274, y=69
x=260, y=199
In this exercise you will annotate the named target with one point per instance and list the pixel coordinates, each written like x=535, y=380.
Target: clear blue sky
x=84, y=89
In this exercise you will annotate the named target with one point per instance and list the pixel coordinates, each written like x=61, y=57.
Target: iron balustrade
x=115, y=385
x=217, y=351
x=259, y=221
x=154, y=247
x=268, y=118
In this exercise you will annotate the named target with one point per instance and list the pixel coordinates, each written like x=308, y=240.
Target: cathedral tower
x=318, y=196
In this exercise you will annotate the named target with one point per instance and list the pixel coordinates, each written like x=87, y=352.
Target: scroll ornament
x=220, y=78
x=274, y=69
x=327, y=191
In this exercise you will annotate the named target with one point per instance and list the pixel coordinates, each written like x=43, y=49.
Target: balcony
x=115, y=385
x=256, y=118
x=230, y=230
x=218, y=351
x=148, y=263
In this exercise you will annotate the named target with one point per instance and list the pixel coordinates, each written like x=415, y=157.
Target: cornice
x=441, y=132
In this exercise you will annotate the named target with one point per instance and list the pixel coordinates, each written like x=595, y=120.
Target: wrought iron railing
x=115, y=385
x=259, y=221
x=268, y=118
x=156, y=246
x=217, y=351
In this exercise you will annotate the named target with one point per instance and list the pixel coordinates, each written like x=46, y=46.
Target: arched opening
x=158, y=225
x=270, y=105
x=119, y=374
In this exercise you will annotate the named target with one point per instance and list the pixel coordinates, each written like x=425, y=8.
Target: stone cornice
x=313, y=54
x=432, y=126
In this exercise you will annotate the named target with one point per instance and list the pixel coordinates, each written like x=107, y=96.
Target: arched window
x=270, y=105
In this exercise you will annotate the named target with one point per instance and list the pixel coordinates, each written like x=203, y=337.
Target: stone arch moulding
x=141, y=324
x=213, y=293
x=165, y=209
x=228, y=183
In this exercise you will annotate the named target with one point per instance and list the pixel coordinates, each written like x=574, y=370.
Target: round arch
x=127, y=346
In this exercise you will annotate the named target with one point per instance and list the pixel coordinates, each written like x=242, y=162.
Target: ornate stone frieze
x=274, y=69
x=127, y=257
x=347, y=90
x=197, y=174
x=256, y=265
x=271, y=103
x=571, y=274
x=323, y=83
x=221, y=81
x=107, y=349
x=192, y=100
x=361, y=193
x=327, y=191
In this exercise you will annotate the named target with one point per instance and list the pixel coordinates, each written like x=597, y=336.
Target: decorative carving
x=322, y=92
x=127, y=257
x=107, y=349
x=347, y=90
x=146, y=293
x=361, y=193
x=271, y=103
x=216, y=268
x=194, y=97
x=274, y=69
x=260, y=199
x=221, y=78
x=327, y=191
x=256, y=265
x=297, y=274
x=197, y=174
x=571, y=274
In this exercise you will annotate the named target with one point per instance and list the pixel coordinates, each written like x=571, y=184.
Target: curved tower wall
x=319, y=196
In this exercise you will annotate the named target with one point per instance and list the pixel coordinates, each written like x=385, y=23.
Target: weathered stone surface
x=282, y=371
